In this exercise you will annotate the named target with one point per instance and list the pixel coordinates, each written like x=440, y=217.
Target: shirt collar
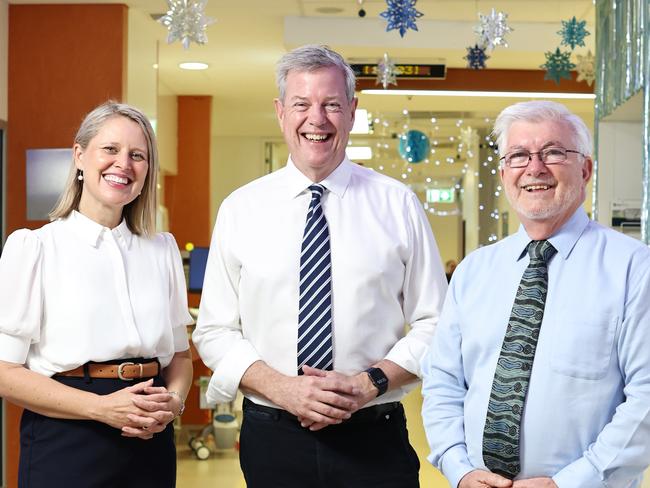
x=563, y=240
x=336, y=182
x=123, y=231
x=91, y=232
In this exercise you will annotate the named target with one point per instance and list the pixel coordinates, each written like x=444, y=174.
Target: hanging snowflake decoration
x=386, y=72
x=573, y=33
x=468, y=137
x=401, y=14
x=476, y=57
x=186, y=21
x=492, y=30
x=586, y=68
x=558, y=65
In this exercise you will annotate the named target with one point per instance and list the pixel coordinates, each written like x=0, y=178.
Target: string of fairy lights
x=440, y=155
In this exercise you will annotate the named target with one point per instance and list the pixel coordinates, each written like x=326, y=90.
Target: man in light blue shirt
x=585, y=420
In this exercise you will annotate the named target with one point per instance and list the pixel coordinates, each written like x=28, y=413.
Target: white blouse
x=74, y=291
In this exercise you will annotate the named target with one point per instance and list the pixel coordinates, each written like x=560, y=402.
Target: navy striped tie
x=315, y=304
x=502, y=425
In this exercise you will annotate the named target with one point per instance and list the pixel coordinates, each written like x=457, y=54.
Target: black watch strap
x=379, y=379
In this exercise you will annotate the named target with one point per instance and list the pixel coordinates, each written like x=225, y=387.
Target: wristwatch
x=378, y=379
x=178, y=395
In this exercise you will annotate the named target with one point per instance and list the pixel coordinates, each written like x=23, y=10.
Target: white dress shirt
x=74, y=291
x=386, y=273
x=586, y=419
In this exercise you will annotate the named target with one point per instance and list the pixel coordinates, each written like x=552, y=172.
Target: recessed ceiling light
x=193, y=66
x=329, y=10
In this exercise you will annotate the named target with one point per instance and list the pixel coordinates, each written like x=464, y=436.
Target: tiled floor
x=222, y=469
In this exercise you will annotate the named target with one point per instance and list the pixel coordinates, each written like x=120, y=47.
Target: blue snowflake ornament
x=573, y=33
x=401, y=14
x=476, y=57
x=558, y=65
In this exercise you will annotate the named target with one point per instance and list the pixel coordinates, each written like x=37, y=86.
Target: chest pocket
x=583, y=348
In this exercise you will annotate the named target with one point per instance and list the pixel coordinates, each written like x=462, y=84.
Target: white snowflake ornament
x=386, y=72
x=586, y=68
x=186, y=21
x=468, y=137
x=492, y=29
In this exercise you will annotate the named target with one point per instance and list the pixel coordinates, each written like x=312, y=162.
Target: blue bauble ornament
x=414, y=146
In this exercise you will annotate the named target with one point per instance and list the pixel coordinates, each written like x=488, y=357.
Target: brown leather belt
x=126, y=371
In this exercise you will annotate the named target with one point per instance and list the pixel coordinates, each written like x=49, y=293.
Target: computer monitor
x=198, y=260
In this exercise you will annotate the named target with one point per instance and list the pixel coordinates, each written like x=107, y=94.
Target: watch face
x=378, y=379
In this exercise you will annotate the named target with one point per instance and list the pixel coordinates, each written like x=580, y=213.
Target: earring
x=80, y=176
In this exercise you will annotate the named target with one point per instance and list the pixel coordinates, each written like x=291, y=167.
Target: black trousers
x=371, y=450
x=60, y=453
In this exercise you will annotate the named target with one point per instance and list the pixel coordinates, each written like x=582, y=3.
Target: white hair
x=540, y=111
x=310, y=58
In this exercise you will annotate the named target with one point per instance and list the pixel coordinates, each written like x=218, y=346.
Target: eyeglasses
x=550, y=155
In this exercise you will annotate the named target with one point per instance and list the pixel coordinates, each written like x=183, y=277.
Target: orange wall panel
x=187, y=194
x=187, y=198
x=63, y=61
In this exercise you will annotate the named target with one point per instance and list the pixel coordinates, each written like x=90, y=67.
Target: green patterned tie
x=512, y=375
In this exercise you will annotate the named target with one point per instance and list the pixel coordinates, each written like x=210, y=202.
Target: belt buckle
x=120, y=373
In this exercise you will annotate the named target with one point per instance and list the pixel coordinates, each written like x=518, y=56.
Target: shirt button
x=517, y=387
x=525, y=366
x=528, y=349
x=516, y=409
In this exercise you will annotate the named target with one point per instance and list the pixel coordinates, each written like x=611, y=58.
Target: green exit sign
x=440, y=195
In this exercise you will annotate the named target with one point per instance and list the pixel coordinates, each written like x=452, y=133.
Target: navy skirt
x=60, y=453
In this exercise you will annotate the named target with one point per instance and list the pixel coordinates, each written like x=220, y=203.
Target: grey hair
x=540, y=111
x=310, y=58
x=140, y=214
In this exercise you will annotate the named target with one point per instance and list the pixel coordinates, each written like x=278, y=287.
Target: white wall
x=619, y=173
x=448, y=232
x=4, y=49
x=142, y=73
x=235, y=162
x=167, y=133
x=471, y=202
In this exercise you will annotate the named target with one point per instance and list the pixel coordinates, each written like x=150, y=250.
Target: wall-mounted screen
x=198, y=260
x=47, y=170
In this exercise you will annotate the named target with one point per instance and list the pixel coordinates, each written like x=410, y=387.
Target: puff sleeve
x=21, y=295
x=178, y=313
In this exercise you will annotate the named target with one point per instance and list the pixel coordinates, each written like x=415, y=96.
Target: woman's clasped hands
x=140, y=410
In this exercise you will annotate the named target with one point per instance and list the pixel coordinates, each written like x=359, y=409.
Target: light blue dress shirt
x=586, y=421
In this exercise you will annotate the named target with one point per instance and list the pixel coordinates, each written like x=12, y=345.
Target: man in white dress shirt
x=553, y=390
x=331, y=417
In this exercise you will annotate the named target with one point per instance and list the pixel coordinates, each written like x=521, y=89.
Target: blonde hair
x=140, y=214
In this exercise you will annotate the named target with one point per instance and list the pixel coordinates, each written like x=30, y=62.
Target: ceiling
x=249, y=36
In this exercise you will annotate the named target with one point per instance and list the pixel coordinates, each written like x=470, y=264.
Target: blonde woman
x=93, y=312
